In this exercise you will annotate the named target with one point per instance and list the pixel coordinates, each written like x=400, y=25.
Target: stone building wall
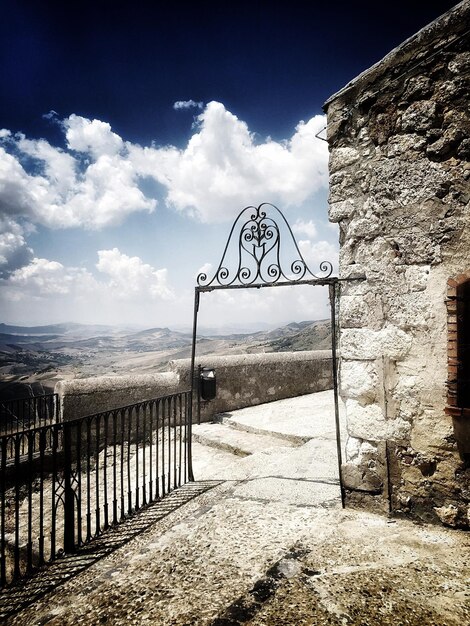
x=399, y=139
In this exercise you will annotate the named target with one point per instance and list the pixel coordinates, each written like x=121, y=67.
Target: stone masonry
x=399, y=139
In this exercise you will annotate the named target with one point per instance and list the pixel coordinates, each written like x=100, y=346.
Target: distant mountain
x=50, y=329
x=310, y=336
x=55, y=329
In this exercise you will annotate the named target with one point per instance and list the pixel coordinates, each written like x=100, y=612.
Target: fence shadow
x=25, y=592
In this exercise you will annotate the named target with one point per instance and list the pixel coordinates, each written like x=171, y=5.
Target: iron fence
x=23, y=414
x=80, y=477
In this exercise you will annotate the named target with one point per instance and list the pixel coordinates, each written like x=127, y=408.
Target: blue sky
x=134, y=132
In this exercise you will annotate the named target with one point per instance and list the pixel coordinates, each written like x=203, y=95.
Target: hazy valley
x=33, y=359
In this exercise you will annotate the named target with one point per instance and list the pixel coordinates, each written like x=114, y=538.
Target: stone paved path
x=270, y=545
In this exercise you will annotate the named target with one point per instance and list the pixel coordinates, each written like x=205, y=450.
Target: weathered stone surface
x=460, y=64
x=419, y=116
x=364, y=344
x=359, y=380
x=341, y=210
x=361, y=479
x=407, y=146
x=368, y=422
x=342, y=157
x=355, y=312
x=417, y=277
x=448, y=515
x=400, y=191
x=417, y=87
x=446, y=146
x=228, y=558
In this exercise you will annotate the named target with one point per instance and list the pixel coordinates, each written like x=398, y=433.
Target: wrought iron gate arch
x=256, y=237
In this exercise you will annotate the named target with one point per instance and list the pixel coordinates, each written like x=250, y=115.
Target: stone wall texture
x=242, y=380
x=399, y=138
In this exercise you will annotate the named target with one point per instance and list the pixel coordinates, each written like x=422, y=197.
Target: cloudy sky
x=132, y=133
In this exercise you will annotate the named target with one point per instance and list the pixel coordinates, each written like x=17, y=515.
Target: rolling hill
x=33, y=359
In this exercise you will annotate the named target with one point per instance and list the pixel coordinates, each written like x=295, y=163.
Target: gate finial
x=258, y=257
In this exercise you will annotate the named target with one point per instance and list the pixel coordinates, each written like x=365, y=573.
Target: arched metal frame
x=255, y=241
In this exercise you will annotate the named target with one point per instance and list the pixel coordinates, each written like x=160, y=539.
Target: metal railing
x=23, y=414
x=78, y=478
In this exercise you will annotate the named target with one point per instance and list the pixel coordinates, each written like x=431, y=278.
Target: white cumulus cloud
x=96, y=181
x=91, y=136
x=315, y=253
x=14, y=251
x=126, y=289
x=224, y=168
x=301, y=227
x=130, y=276
x=63, y=192
x=187, y=104
x=43, y=278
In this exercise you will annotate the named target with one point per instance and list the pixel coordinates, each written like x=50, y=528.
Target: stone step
x=228, y=420
x=238, y=442
x=297, y=420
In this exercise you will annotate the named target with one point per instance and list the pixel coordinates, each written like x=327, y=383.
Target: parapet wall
x=251, y=379
x=242, y=380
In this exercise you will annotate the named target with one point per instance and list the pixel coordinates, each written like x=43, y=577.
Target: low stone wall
x=251, y=379
x=242, y=380
x=85, y=396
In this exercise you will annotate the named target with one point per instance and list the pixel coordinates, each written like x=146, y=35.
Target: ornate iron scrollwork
x=258, y=257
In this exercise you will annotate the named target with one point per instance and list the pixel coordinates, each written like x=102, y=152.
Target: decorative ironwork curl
x=259, y=252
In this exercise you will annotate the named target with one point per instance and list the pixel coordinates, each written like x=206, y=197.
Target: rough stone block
x=354, y=312
x=410, y=311
x=361, y=479
x=417, y=277
x=359, y=380
x=406, y=146
x=341, y=210
x=419, y=116
x=366, y=345
x=368, y=422
x=342, y=157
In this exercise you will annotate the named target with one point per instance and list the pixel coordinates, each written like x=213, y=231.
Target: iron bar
x=17, y=572
x=29, y=545
x=332, y=295
x=89, y=534
x=115, y=500
x=193, y=383
x=105, y=471
x=3, y=461
x=144, y=447
x=97, y=474
x=42, y=448
x=79, y=482
x=137, y=415
x=69, y=517
x=157, y=451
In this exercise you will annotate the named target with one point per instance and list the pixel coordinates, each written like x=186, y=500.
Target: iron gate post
x=191, y=399
x=332, y=289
